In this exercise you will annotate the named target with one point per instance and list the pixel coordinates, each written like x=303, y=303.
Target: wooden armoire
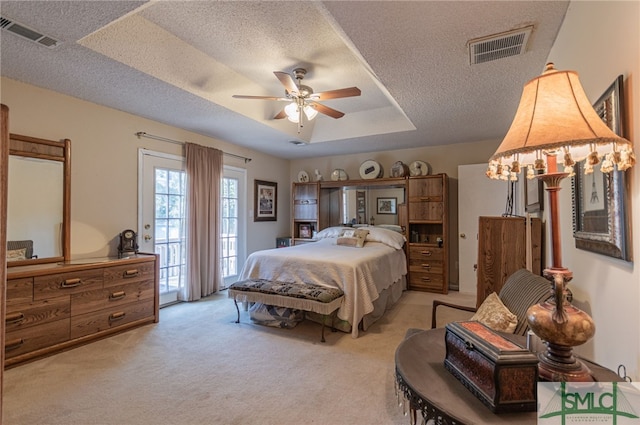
x=502, y=251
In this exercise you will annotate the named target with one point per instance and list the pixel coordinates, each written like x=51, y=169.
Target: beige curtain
x=204, y=174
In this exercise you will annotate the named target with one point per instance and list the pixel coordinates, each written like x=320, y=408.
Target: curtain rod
x=178, y=142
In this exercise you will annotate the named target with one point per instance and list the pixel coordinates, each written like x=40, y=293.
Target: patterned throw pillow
x=353, y=237
x=17, y=254
x=493, y=314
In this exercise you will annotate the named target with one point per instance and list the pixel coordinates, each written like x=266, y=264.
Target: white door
x=161, y=226
x=478, y=196
x=233, y=228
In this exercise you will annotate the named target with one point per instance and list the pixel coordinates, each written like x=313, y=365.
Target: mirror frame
x=52, y=150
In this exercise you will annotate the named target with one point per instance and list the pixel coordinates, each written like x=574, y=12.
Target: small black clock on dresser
x=128, y=243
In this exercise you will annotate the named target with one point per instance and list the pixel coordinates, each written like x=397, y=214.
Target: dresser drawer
x=36, y=337
x=426, y=281
x=137, y=272
x=34, y=313
x=19, y=291
x=55, y=285
x=112, y=297
x=422, y=252
x=109, y=318
x=425, y=265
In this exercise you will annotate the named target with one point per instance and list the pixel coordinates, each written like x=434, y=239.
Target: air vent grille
x=27, y=33
x=499, y=46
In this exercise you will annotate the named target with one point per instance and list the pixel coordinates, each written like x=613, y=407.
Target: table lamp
x=555, y=123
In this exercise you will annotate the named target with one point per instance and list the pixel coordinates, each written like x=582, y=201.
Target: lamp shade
x=310, y=112
x=555, y=116
x=293, y=114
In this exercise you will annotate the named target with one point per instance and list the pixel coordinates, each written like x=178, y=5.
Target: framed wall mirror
x=38, y=215
x=357, y=202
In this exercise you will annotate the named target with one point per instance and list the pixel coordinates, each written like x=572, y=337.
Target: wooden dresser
x=52, y=307
x=502, y=250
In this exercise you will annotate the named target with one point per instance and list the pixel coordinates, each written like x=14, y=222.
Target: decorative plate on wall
x=399, y=169
x=303, y=177
x=419, y=168
x=371, y=169
x=339, y=175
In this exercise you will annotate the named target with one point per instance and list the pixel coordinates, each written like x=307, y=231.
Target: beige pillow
x=493, y=314
x=16, y=254
x=353, y=237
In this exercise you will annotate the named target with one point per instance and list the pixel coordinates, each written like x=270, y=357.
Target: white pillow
x=393, y=227
x=388, y=237
x=331, y=232
x=495, y=315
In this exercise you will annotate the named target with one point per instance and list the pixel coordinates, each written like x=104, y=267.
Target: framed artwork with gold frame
x=600, y=222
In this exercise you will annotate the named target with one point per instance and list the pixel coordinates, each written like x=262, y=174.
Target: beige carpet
x=199, y=367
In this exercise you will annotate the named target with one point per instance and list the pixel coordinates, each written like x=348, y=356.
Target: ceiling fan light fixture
x=310, y=112
x=292, y=112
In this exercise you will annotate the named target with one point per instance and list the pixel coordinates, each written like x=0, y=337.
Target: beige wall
x=104, y=165
x=601, y=40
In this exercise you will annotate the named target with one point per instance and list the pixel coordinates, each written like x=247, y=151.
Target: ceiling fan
x=303, y=101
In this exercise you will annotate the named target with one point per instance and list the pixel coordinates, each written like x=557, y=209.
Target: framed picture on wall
x=265, y=201
x=600, y=217
x=387, y=205
x=533, y=195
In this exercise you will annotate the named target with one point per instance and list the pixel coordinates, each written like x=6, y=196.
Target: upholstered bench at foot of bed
x=301, y=296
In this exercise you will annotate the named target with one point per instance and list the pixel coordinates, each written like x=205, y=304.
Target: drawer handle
x=426, y=279
x=12, y=345
x=117, y=295
x=71, y=283
x=469, y=345
x=117, y=316
x=130, y=273
x=426, y=266
x=426, y=253
x=13, y=318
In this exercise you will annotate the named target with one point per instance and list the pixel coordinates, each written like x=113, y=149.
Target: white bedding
x=361, y=273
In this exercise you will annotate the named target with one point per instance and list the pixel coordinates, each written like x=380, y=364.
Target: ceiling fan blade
x=333, y=113
x=240, y=96
x=335, y=94
x=282, y=114
x=286, y=81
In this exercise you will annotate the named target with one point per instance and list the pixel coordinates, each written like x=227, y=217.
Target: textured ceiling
x=180, y=63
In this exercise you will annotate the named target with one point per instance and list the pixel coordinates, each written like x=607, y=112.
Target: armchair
x=520, y=291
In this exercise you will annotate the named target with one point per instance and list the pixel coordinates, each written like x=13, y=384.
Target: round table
x=438, y=395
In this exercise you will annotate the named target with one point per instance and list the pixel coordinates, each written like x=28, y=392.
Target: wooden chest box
x=500, y=373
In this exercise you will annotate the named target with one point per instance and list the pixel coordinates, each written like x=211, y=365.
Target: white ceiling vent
x=498, y=46
x=28, y=33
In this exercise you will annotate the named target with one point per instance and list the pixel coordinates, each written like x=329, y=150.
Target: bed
x=372, y=276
